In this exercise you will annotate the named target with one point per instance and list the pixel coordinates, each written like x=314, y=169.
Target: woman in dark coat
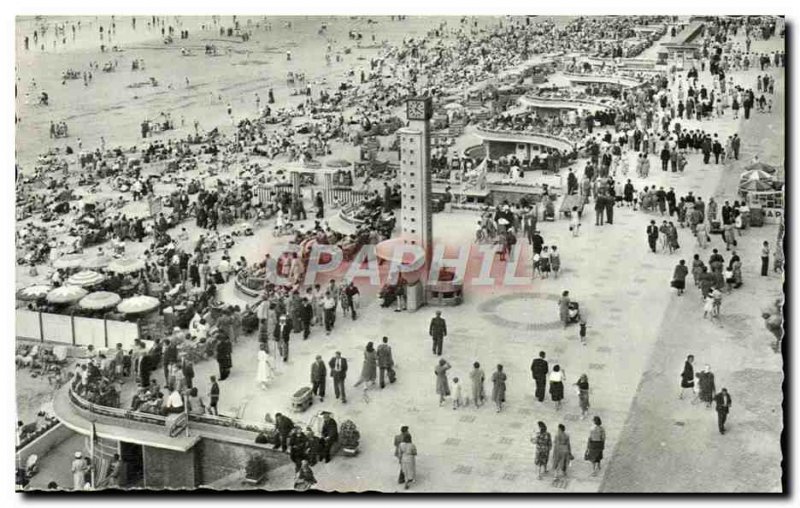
x=679, y=276
x=707, y=388
x=687, y=376
x=596, y=444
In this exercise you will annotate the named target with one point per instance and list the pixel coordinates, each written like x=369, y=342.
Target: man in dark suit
x=438, y=331
x=188, y=373
x=652, y=235
x=539, y=369
x=170, y=356
x=385, y=361
x=319, y=374
x=329, y=434
x=338, y=366
x=306, y=315
x=281, y=334
x=213, y=397
x=284, y=425
x=723, y=400
x=224, y=360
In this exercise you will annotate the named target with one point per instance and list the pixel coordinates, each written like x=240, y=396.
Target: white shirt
x=175, y=399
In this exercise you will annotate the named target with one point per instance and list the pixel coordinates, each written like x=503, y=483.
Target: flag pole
x=93, y=465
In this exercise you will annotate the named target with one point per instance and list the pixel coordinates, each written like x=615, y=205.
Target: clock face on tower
x=418, y=109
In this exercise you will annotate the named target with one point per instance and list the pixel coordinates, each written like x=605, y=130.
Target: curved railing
x=599, y=78
x=562, y=103
x=161, y=421
x=541, y=138
x=249, y=285
x=347, y=214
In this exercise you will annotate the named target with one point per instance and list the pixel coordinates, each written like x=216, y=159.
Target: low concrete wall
x=217, y=459
x=46, y=442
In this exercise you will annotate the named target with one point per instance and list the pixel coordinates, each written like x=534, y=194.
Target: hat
x=78, y=455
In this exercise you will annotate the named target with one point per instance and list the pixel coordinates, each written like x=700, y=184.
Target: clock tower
x=415, y=176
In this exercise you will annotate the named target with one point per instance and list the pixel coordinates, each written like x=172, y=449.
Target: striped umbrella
x=99, y=300
x=69, y=261
x=97, y=262
x=34, y=292
x=126, y=265
x=86, y=278
x=66, y=294
x=138, y=304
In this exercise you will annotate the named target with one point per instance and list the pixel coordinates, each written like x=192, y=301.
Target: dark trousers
x=318, y=388
x=212, y=407
x=706, y=157
x=383, y=371
x=651, y=240
x=664, y=164
x=306, y=328
x=327, y=444
x=541, y=384
x=284, y=346
x=764, y=265
x=283, y=440
x=329, y=316
x=438, y=342
x=722, y=416
x=338, y=388
x=224, y=370
x=716, y=158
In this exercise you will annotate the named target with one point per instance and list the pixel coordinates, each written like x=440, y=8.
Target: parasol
x=66, y=294
x=138, y=304
x=761, y=166
x=86, y=278
x=99, y=300
x=96, y=262
x=69, y=261
x=126, y=265
x=755, y=180
x=453, y=105
x=337, y=163
x=34, y=292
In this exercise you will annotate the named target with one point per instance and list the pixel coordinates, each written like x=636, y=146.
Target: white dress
x=264, y=371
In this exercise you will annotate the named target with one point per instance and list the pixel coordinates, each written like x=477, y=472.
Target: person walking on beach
x=557, y=386
x=477, y=378
x=438, y=331
x=499, y=387
x=539, y=371
x=543, y=443
x=338, y=366
x=582, y=387
x=442, y=386
x=687, y=376
x=562, y=452
x=595, y=445
x=765, y=259
x=319, y=377
x=723, y=400
x=707, y=389
x=408, y=459
x=398, y=440
x=385, y=362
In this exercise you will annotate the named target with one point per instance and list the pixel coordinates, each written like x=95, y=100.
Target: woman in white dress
x=264, y=370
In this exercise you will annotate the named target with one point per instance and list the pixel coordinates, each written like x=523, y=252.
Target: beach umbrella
x=86, y=278
x=338, y=163
x=453, y=106
x=96, y=262
x=66, y=294
x=99, y=300
x=755, y=178
x=69, y=261
x=126, y=265
x=756, y=185
x=761, y=166
x=138, y=304
x=34, y=292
